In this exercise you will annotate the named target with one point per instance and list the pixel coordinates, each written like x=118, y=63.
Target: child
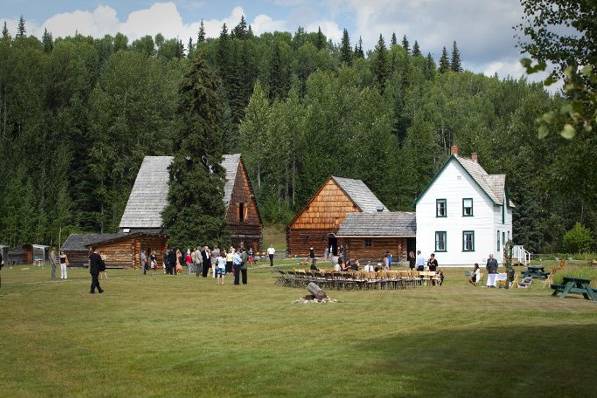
x=220, y=269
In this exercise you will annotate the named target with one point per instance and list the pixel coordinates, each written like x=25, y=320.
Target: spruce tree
x=444, y=63
x=455, y=64
x=380, y=63
x=250, y=32
x=190, y=48
x=429, y=70
x=21, y=27
x=47, y=41
x=201, y=34
x=278, y=75
x=195, y=211
x=358, y=53
x=416, y=49
x=405, y=44
x=345, y=50
x=5, y=34
x=320, y=39
x=394, y=39
x=240, y=30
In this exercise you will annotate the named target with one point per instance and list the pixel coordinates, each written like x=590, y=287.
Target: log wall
x=356, y=249
x=321, y=217
x=77, y=258
x=249, y=231
x=126, y=253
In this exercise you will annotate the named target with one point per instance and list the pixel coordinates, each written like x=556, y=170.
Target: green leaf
x=543, y=131
x=568, y=132
x=587, y=70
x=551, y=79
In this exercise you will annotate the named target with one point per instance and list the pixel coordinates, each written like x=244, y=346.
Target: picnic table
x=535, y=271
x=575, y=286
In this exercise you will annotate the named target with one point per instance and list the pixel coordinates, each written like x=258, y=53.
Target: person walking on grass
x=63, y=265
x=236, y=265
x=220, y=269
x=270, y=252
x=244, y=256
x=52, y=264
x=96, y=265
x=492, y=267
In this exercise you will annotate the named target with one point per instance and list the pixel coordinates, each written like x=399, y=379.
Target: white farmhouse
x=464, y=214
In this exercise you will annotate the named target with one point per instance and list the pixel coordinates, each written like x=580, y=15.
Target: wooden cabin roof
x=360, y=194
x=79, y=241
x=149, y=195
x=120, y=236
x=387, y=224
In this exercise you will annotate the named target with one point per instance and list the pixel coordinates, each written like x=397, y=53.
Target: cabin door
x=411, y=246
x=333, y=243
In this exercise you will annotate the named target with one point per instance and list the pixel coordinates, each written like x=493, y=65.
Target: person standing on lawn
x=96, y=265
x=244, y=256
x=236, y=264
x=63, y=264
x=492, y=267
x=144, y=262
x=420, y=261
x=206, y=257
x=270, y=252
x=188, y=259
x=412, y=260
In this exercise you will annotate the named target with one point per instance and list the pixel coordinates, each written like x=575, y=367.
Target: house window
x=241, y=212
x=498, y=241
x=468, y=241
x=441, y=209
x=367, y=242
x=508, y=235
x=467, y=207
x=504, y=213
x=504, y=237
x=440, y=241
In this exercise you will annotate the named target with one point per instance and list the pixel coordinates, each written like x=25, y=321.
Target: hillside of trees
x=78, y=114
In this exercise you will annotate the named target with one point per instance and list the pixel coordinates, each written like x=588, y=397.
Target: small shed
x=317, y=223
x=16, y=255
x=124, y=250
x=76, y=250
x=368, y=236
x=36, y=254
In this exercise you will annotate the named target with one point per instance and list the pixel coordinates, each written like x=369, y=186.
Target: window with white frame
x=468, y=241
x=498, y=242
x=441, y=208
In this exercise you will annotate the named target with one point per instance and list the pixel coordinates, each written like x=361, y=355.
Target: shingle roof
x=385, y=224
x=360, y=194
x=79, y=241
x=494, y=185
x=149, y=195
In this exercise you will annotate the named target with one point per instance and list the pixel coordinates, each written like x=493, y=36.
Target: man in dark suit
x=96, y=265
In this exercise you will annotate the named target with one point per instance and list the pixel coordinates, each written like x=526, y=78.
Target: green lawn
x=186, y=337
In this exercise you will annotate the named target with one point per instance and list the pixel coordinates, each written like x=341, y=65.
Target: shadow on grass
x=510, y=361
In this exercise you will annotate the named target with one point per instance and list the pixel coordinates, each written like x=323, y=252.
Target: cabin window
x=467, y=207
x=441, y=241
x=468, y=241
x=498, y=242
x=241, y=212
x=441, y=208
x=368, y=243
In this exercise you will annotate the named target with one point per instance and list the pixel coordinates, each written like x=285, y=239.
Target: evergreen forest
x=78, y=114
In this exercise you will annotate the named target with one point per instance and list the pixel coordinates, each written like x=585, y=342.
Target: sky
x=481, y=28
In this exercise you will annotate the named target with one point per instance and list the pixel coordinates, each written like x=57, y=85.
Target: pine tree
x=358, y=51
x=201, y=34
x=47, y=41
x=21, y=27
x=380, y=63
x=278, y=75
x=394, y=39
x=405, y=44
x=250, y=32
x=196, y=216
x=429, y=70
x=190, y=48
x=444, y=63
x=455, y=64
x=240, y=30
x=320, y=39
x=416, y=49
x=345, y=50
x=5, y=34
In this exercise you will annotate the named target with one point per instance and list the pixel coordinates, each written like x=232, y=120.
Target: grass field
x=160, y=336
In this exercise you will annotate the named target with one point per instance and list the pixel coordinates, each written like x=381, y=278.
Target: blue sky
x=482, y=28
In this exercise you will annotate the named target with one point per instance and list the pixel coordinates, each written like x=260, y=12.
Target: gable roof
x=493, y=185
x=388, y=224
x=360, y=194
x=149, y=195
x=79, y=241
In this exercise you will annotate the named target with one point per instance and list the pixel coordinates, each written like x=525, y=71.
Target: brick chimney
x=454, y=149
x=474, y=157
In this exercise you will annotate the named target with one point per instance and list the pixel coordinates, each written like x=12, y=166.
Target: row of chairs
x=358, y=279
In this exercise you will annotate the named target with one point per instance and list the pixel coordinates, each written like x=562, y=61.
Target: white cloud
x=161, y=18
x=329, y=28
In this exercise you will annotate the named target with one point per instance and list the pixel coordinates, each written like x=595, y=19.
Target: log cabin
x=368, y=236
x=123, y=250
x=317, y=223
x=149, y=197
x=76, y=250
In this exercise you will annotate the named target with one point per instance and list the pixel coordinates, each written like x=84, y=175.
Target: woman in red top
x=189, y=261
